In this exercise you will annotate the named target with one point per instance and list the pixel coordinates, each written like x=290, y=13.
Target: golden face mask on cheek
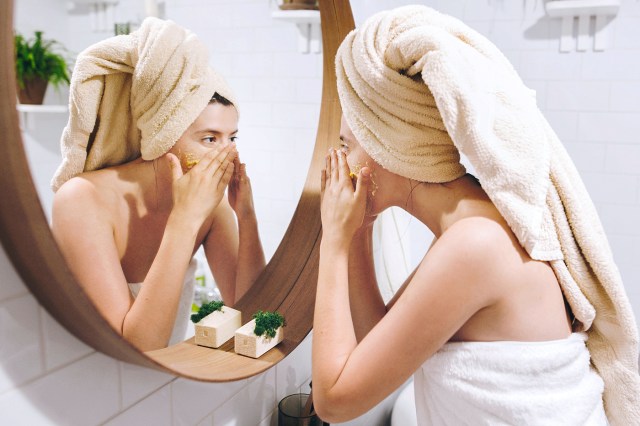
x=353, y=174
x=189, y=160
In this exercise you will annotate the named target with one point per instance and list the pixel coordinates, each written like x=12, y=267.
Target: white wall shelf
x=102, y=12
x=583, y=10
x=43, y=108
x=308, y=23
x=26, y=111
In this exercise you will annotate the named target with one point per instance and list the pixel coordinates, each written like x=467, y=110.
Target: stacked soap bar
x=248, y=344
x=217, y=327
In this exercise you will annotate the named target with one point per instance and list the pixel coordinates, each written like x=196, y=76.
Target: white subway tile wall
x=590, y=98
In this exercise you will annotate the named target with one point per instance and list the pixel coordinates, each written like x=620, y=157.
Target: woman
x=482, y=323
x=129, y=229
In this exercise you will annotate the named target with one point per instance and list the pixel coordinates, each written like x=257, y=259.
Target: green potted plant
x=260, y=334
x=38, y=64
x=299, y=5
x=215, y=324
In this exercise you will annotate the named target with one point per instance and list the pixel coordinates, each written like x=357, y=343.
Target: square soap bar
x=248, y=344
x=217, y=327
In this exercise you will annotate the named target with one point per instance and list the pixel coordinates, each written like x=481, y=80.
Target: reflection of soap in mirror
x=248, y=344
x=217, y=327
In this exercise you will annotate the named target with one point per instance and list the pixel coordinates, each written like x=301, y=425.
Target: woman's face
x=215, y=125
x=358, y=158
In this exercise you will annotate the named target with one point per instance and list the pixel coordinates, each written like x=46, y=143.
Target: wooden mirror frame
x=287, y=284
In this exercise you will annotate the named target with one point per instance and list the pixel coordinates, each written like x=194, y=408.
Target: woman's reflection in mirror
x=151, y=173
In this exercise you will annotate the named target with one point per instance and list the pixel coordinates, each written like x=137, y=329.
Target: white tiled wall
x=591, y=99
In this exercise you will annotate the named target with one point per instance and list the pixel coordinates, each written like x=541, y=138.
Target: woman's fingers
x=216, y=158
x=244, y=178
x=334, y=165
x=207, y=158
x=323, y=183
x=343, y=168
x=327, y=168
x=174, y=166
x=224, y=174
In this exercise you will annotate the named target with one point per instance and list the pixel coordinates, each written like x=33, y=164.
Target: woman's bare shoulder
x=476, y=234
x=88, y=192
x=479, y=249
x=82, y=187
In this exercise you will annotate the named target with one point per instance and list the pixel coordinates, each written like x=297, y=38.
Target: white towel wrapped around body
x=417, y=88
x=510, y=383
x=135, y=95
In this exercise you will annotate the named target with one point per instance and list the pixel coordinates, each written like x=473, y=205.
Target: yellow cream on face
x=190, y=160
x=353, y=174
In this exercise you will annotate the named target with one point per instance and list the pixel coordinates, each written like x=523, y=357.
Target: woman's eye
x=344, y=148
x=234, y=138
x=210, y=139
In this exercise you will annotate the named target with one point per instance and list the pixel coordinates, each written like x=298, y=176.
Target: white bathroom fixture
x=102, y=12
x=308, y=23
x=583, y=10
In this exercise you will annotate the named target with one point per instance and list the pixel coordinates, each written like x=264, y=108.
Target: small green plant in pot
x=299, y=5
x=38, y=64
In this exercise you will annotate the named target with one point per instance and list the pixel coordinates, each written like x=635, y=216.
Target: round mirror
x=279, y=102
x=287, y=284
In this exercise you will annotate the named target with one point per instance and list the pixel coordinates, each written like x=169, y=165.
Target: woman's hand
x=240, y=193
x=197, y=193
x=342, y=207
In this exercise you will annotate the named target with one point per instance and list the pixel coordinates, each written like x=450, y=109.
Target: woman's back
x=529, y=304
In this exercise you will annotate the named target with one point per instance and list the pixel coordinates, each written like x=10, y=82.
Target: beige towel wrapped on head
x=134, y=95
x=416, y=87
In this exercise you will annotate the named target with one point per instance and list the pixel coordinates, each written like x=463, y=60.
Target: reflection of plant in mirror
x=206, y=309
x=36, y=58
x=299, y=5
x=267, y=323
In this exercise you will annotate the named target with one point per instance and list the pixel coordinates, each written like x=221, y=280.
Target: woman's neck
x=152, y=180
x=163, y=184
x=439, y=206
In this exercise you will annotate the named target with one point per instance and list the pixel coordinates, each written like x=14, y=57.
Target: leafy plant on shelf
x=267, y=323
x=37, y=58
x=206, y=309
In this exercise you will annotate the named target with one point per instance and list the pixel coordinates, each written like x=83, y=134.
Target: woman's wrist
x=333, y=244
x=247, y=218
x=183, y=223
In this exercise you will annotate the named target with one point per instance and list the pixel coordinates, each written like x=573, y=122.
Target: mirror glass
x=276, y=81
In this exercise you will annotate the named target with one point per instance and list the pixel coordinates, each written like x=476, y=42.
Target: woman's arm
x=85, y=234
x=221, y=247
x=349, y=377
x=235, y=256
x=367, y=305
x=86, y=238
x=251, y=260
